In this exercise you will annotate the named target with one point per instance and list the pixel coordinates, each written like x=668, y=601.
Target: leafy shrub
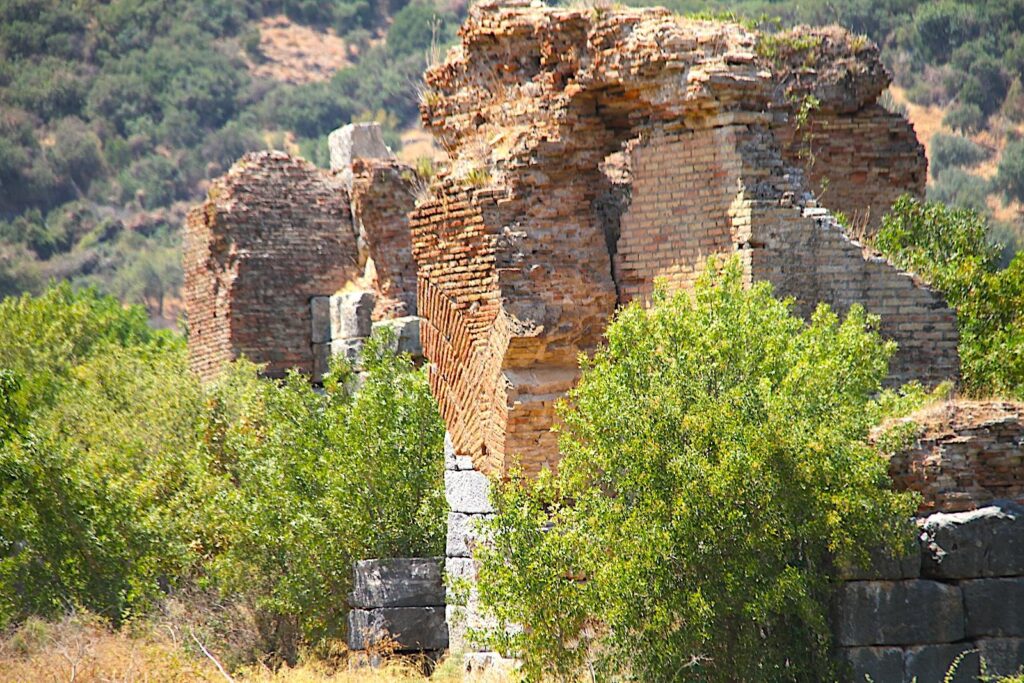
x=954, y=150
x=154, y=181
x=713, y=461
x=942, y=26
x=1013, y=105
x=416, y=28
x=950, y=249
x=957, y=187
x=324, y=480
x=965, y=117
x=121, y=478
x=985, y=85
x=1010, y=178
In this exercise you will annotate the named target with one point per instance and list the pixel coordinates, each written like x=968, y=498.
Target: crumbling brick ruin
x=595, y=151
x=965, y=455
x=270, y=235
x=276, y=235
x=857, y=156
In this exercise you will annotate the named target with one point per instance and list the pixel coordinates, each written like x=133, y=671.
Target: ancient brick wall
x=383, y=193
x=857, y=157
x=594, y=152
x=273, y=232
x=965, y=455
x=858, y=163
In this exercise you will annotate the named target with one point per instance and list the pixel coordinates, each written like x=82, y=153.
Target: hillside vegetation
x=113, y=115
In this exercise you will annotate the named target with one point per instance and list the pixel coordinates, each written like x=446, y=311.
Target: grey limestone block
x=320, y=317
x=927, y=663
x=351, y=315
x=397, y=582
x=897, y=613
x=453, y=461
x=468, y=491
x=321, y=353
x=462, y=534
x=410, y=628
x=878, y=663
x=994, y=607
x=355, y=141
x=985, y=542
x=885, y=566
x=1002, y=656
x=406, y=335
x=349, y=349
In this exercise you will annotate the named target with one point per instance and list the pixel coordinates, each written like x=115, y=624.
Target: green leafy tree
x=324, y=479
x=950, y=249
x=954, y=150
x=714, y=465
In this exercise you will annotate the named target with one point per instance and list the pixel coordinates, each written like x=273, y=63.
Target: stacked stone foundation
x=958, y=599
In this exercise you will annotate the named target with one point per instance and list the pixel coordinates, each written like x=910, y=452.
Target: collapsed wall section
x=273, y=232
x=534, y=105
x=383, y=191
x=857, y=156
x=964, y=455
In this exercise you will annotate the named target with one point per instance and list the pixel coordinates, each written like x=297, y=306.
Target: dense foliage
x=123, y=479
x=112, y=112
x=714, y=465
x=951, y=250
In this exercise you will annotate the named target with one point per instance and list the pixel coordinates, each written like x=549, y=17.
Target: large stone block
x=320, y=315
x=884, y=566
x=994, y=607
x=453, y=461
x=462, y=534
x=410, y=628
x=898, y=613
x=468, y=491
x=985, y=542
x=877, y=663
x=397, y=582
x=349, y=349
x=321, y=356
x=355, y=141
x=351, y=315
x=1002, y=656
x=929, y=663
x=406, y=335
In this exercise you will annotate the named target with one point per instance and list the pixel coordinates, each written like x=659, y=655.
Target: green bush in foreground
x=122, y=479
x=323, y=480
x=714, y=465
x=950, y=249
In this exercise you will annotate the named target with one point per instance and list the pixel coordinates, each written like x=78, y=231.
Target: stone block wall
x=960, y=597
x=398, y=605
x=273, y=232
x=965, y=455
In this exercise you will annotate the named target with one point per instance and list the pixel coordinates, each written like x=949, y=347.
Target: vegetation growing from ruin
x=950, y=248
x=714, y=465
x=125, y=483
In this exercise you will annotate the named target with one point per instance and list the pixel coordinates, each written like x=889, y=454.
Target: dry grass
x=82, y=649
